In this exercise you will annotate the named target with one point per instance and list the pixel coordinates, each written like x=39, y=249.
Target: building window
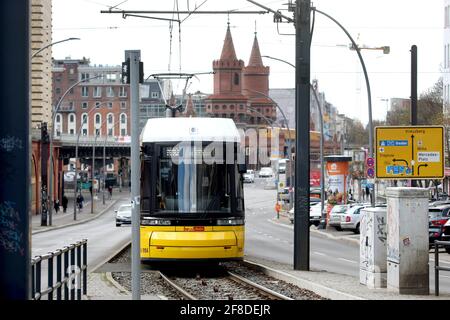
x=71, y=91
x=155, y=95
x=123, y=124
x=97, y=92
x=98, y=119
x=58, y=90
x=84, y=76
x=110, y=105
x=58, y=125
x=123, y=105
x=224, y=107
x=110, y=92
x=84, y=124
x=241, y=107
x=111, y=77
x=216, y=107
x=72, y=123
x=122, y=92
x=97, y=105
x=232, y=107
x=236, y=79
x=110, y=124
x=84, y=91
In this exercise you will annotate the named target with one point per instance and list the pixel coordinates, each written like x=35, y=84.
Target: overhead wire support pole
x=135, y=58
x=369, y=95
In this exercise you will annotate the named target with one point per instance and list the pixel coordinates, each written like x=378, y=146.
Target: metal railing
x=438, y=268
x=70, y=271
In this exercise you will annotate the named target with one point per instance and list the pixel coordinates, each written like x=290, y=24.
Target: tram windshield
x=190, y=180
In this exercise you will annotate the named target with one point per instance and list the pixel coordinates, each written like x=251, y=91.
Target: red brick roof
x=255, y=56
x=228, y=52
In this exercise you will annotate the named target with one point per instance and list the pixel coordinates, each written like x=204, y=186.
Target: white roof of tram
x=190, y=129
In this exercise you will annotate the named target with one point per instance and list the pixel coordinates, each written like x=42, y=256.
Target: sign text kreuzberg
x=415, y=152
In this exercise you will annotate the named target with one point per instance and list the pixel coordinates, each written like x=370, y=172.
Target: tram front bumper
x=173, y=245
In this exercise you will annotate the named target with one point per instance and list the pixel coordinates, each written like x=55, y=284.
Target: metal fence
x=65, y=281
x=438, y=268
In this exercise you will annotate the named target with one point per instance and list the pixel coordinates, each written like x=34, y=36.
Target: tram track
x=228, y=286
x=224, y=281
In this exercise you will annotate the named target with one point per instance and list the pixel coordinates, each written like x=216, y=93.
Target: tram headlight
x=230, y=222
x=155, y=222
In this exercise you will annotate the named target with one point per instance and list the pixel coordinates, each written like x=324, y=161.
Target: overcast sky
x=395, y=23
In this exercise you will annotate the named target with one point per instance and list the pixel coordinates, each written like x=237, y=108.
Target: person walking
x=80, y=200
x=56, y=205
x=110, y=189
x=278, y=209
x=367, y=192
x=65, y=202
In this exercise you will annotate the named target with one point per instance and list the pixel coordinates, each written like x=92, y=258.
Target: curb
x=115, y=284
x=319, y=233
x=319, y=289
x=76, y=223
x=112, y=255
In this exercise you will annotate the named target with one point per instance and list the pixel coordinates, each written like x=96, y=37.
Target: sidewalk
x=60, y=219
x=335, y=286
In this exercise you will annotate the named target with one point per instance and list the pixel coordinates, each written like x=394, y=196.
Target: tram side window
x=239, y=190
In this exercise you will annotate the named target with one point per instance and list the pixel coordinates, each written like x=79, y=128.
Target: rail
x=71, y=273
x=438, y=268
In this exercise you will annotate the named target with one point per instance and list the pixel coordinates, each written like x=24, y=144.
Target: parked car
x=266, y=172
x=123, y=215
x=438, y=215
x=337, y=214
x=445, y=235
x=351, y=219
x=249, y=176
x=314, y=214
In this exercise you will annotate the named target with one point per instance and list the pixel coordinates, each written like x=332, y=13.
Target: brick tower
x=255, y=86
x=227, y=101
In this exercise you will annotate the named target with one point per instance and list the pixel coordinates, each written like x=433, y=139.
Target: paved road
x=268, y=239
x=102, y=234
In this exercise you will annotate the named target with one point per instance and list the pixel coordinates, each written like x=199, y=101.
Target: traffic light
x=126, y=72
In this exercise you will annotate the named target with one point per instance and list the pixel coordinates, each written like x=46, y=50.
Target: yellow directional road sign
x=415, y=152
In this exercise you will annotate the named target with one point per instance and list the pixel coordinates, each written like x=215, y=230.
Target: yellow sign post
x=415, y=152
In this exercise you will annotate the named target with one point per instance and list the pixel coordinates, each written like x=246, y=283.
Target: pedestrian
x=278, y=209
x=110, y=191
x=80, y=200
x=367, y=192
x=56, y=205
x=65, y=201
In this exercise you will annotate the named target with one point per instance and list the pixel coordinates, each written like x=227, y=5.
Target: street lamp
x=51, y=44
x=54, y=112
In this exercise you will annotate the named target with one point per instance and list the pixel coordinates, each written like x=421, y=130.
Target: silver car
x=336, y=216
x=350, y=220
x=123, y=215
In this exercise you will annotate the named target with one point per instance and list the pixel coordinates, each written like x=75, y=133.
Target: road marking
x=346, y=260
x=319, y=253
x=440, y=261
x=444, y=276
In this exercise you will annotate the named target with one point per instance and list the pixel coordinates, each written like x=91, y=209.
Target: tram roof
x=190, y=129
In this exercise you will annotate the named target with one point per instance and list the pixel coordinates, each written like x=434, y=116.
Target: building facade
x=99, y=106
x=41, y=88
x=41, y=64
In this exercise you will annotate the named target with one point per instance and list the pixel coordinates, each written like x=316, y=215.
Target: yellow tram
x=192, y=200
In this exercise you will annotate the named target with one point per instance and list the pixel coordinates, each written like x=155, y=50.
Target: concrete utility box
x=372, y=248
x=407, y=240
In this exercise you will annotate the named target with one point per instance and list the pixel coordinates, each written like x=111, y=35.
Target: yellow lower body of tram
x=165, y=243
